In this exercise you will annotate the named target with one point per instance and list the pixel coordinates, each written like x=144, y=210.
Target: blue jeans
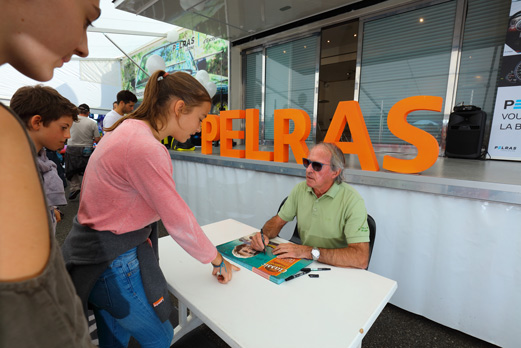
x=122, y=310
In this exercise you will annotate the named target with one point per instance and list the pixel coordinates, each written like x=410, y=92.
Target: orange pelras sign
x=347, y=112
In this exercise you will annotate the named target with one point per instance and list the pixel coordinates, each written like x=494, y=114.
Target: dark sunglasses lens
x=305, y=162
x=317, y=166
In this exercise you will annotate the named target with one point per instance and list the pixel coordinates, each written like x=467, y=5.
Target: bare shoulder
x=8, y=122
x=14, y=144
x=24, y=237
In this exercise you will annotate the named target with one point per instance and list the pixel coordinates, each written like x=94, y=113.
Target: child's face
x=183, y=125
x=53, y=136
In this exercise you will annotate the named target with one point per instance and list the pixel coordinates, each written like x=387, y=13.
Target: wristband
x=221, y=265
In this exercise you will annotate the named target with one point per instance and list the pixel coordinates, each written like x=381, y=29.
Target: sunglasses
x=317, y=166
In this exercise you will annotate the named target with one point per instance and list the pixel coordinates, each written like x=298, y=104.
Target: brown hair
x=126, y=97
x=41, y=100
x=162, y=88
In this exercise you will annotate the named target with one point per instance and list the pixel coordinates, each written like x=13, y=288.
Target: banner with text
x=505, y=133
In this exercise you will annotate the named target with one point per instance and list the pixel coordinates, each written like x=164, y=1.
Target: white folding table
x=335, y=310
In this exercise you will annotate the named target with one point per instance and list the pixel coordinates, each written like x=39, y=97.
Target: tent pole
x=132, y=60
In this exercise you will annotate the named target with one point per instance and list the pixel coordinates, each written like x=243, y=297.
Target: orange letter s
x=428, y=147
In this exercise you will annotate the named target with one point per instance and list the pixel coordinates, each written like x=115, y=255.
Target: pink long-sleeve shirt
x=128, y=185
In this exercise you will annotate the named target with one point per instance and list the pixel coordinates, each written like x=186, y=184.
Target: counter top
x=490, y=180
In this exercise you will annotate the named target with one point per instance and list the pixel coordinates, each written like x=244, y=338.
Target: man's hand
x=258, y=243
x=297, y=251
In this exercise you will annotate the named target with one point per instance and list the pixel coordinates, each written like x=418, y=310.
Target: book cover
x=266, y=265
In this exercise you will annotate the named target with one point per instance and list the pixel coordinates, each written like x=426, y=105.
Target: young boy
x=48, y=117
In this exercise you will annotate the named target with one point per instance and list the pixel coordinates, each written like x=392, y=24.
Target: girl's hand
x=223, y=271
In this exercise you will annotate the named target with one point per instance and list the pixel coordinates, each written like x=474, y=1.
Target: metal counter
x=488, y=180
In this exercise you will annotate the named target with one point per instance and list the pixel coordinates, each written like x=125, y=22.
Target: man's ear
x=35, y=122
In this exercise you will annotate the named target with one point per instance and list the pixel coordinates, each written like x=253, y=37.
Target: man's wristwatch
x=315, y=254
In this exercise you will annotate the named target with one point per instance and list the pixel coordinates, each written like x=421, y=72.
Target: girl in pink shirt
x=127, y=186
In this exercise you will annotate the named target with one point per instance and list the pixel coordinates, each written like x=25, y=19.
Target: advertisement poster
x=505, y=133
x=192, y=52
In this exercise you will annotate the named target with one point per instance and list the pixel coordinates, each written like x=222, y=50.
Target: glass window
x=404, y=55
x=252, y=75
x=290, y=79
x=483, y=40
x=338, y=51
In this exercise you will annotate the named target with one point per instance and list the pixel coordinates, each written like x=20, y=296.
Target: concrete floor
x=395, y=327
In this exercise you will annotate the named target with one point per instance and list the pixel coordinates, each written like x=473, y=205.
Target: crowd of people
x=125, y=185
x=43, y=298
x=132, y=171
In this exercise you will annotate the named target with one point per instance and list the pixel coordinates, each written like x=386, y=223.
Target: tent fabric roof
x=121, y=21
x=76, y=83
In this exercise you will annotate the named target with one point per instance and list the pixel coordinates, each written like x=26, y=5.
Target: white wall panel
x=454, y=259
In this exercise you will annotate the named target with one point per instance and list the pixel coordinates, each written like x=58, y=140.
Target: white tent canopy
x=95, y=80
x=139, y=32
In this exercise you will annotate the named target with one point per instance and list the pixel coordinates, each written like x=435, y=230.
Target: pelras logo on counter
x=505, y=148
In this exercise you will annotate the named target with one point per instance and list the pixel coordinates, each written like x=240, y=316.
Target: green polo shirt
x=334, y=220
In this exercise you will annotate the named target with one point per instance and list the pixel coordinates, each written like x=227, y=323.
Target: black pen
x=264, y=246
x=296, y=275
x=315, y=269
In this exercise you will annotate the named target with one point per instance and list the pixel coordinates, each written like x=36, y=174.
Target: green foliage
x=128, y=75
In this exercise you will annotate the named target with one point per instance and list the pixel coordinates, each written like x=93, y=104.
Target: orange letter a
x=349, y=112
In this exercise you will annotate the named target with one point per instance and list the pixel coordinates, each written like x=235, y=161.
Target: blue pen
x=264, y=246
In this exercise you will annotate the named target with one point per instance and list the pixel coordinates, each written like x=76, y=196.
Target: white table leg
x=186, y=322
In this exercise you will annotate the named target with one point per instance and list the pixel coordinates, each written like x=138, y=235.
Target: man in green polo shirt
x=331, y=215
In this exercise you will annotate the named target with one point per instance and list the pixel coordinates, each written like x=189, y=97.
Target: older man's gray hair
x=338, y=160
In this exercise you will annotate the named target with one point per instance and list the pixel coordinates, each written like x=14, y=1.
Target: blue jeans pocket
x=133, y=266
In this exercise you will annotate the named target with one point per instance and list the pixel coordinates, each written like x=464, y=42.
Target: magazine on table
x=266, y=265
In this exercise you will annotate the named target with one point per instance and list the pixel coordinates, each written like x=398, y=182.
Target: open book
x=266, y=265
